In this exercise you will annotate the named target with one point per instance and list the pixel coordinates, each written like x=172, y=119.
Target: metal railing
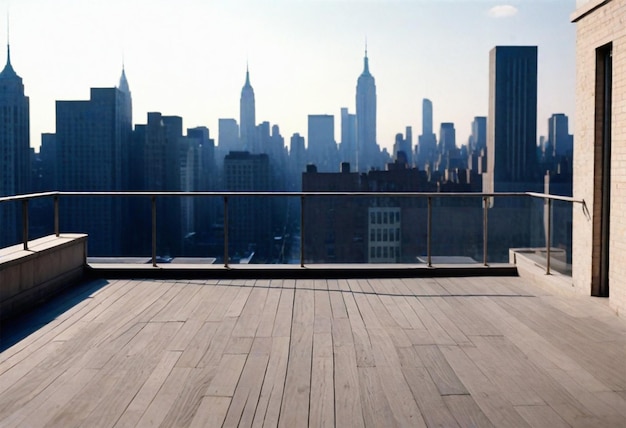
x=303, y=196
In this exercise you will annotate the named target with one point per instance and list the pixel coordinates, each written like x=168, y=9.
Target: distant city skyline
x=189, y=58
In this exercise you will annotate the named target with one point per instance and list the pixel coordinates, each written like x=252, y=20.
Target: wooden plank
x=115, y=385
x=211, y=412
x=165, y=397
x=270, y=400
x=437, y=332
x=348, y=407
x=427, y=396
x=323, y=313
x=450, y=328
x=198, y=345
x=38, y=410
x=282, y=323
x=246, y=396
x=179, y=308
x=507, y=369
x=466, y=411
x=322, y=399
x=238, y=303
x=217, y=346
x=358, y=336
x=376, y=409
x=337, y=304
x=227, y=376
x=541, y=416
x=250, y=316
x=141, y=401
x=225, y=301
x=207, y=299
x=440, y=371
x=266, y=323
x=295, y=406
x=489, y=395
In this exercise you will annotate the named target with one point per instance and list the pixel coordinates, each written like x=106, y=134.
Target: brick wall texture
x=603, y=25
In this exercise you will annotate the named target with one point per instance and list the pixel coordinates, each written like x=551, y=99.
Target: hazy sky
x=188, y=57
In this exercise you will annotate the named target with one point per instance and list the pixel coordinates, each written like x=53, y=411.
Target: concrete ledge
x=316, y=271
x=525, y=259
x=29, y=277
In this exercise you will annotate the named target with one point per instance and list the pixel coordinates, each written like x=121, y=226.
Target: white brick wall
x=603, y=25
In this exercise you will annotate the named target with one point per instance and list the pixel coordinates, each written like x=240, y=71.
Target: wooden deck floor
x=381, y=353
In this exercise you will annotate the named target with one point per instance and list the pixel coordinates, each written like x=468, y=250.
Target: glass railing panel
x=11, y=223
x=457, y=225
x=514, y=222
x=560, y=237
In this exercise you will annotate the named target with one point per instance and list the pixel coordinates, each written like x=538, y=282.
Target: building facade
x=367, y=147
x=249, y=224
x=322, y=149
x=93, y=147
x=512, y=120
x=14, y=150
x=599, y=250
x=247, y=117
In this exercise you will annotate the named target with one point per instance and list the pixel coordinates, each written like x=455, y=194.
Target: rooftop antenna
x=8, y=38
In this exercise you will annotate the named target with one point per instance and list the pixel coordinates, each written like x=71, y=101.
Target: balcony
x=330, y=349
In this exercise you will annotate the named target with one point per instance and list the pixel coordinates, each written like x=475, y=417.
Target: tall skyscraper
x=427, y=116
x=427, y=142
x=93, y=144
x=227, y=139
x=560, y=141
x=512, y=147
x=367, y=148
x=478, y=139
x=247, y=119
x=14, y=148
x=512, y=123
x=347, y=147
x=250, y=217
x=322, y=149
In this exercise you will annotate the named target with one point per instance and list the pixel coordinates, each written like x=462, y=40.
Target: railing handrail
x=28, y=196
x=292, y=194
x=25, y=198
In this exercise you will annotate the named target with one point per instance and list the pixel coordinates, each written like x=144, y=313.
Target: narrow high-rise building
x=247, y=119
x=367, y=147
x=14, y=149
x=322, y=149
x=560, y=141
x=512, y=164
x=347, y=145
x=512, y=121
x=427, y=142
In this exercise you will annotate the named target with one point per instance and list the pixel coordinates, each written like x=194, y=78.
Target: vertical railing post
x=429, y=231
x=154, y=232
x=25, y=223
x=225, y=231
x=56, y=215
x=485, y=228
x=549, y=237
x=302, y=231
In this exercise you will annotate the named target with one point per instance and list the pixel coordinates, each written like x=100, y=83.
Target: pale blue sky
x=188, y=57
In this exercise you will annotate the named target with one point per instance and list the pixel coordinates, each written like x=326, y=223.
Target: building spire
x=8, y=39
x=366, y=67
x=8, y=71
x=123, y=85
x=247, y=75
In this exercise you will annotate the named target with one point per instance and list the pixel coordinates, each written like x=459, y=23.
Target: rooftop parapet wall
x=28, y=277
